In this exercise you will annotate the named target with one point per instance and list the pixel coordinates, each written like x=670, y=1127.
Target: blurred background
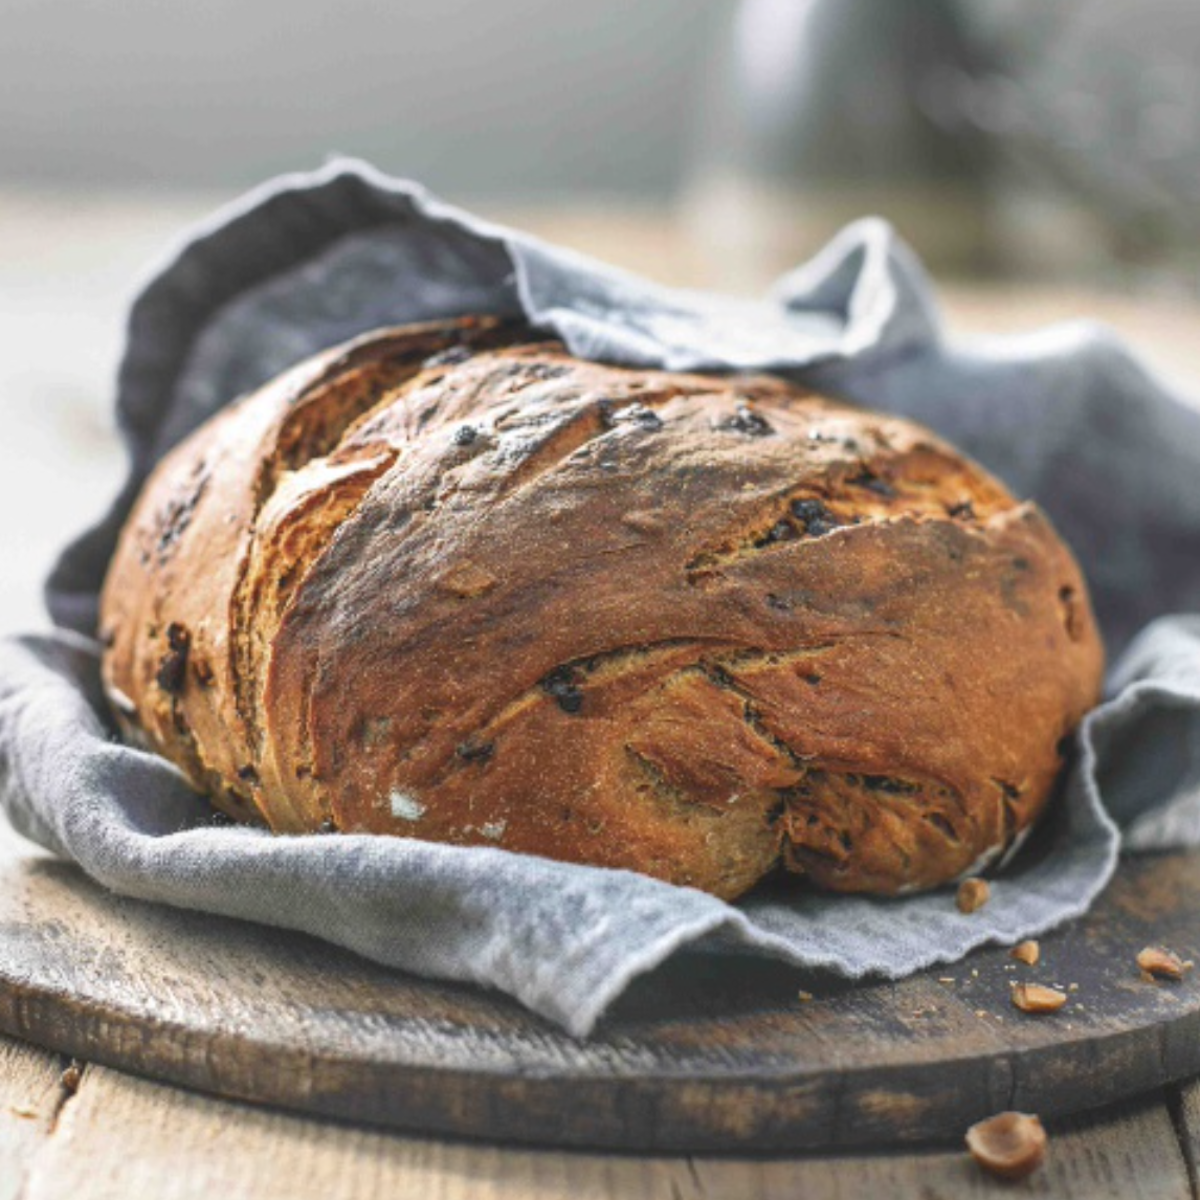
x=1044, y=159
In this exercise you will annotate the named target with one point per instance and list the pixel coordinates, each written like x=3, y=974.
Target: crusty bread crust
x=450, y=582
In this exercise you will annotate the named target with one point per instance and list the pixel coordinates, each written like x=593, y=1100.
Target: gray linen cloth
x=1065, y=416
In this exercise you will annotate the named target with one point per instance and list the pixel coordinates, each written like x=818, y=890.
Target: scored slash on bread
x=450, y=582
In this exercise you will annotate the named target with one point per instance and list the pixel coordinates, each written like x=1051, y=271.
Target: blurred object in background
x=818, y=113
x=503, y=99
x=1094, y=110
x=1054, y=141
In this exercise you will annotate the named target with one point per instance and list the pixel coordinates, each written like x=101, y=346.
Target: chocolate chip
x=746, y=420
x=885, y=783
x=464, y=435
x=964, y=510
x=561, y=684
x=172, y=670
x=176, y=516
x=818, y=520
x=778, y=603
x=781, y=531
x=473, y=751
x=809, y=510
x=869, y=480
x=327, y=826
x=636, y=414
x=248, y=775
x=449, y=357
x=812, y=679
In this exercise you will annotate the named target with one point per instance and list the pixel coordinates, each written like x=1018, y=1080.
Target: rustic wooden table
x=119, y=1137
x=87, y=1131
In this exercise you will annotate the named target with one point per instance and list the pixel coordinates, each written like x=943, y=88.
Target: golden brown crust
x=450, y=582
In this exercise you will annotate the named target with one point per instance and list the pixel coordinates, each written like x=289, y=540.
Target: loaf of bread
x=449, y=582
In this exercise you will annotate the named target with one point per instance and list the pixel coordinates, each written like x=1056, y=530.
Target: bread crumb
x=805, y=996
x=1161, y=963
x=1034, y=998
x=1027, y=952
x=972, y=895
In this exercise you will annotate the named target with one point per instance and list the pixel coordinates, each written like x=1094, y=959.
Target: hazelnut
x=1026, y=952
x=1160, y=963
x=1034, y=998
x=1010, y=1144
x=972, y=895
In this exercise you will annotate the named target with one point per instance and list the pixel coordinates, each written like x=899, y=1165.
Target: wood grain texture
x=125, y=1137
x=32, y=1095
x=704, y=1054
x=1131, y=1153
x=1183, y=1103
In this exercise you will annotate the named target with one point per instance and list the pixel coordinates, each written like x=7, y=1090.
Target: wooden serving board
x=703, y=1055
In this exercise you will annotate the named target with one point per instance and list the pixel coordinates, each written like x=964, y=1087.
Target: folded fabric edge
x=734, y=932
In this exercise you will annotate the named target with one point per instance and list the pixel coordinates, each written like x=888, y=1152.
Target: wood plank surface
x=1184, y=1106
x=122, y=1138
x=32, y=1095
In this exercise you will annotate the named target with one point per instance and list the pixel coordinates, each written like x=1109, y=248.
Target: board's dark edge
x=863, y=1107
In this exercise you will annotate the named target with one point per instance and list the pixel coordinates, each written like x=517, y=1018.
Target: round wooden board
x=706, y=1054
